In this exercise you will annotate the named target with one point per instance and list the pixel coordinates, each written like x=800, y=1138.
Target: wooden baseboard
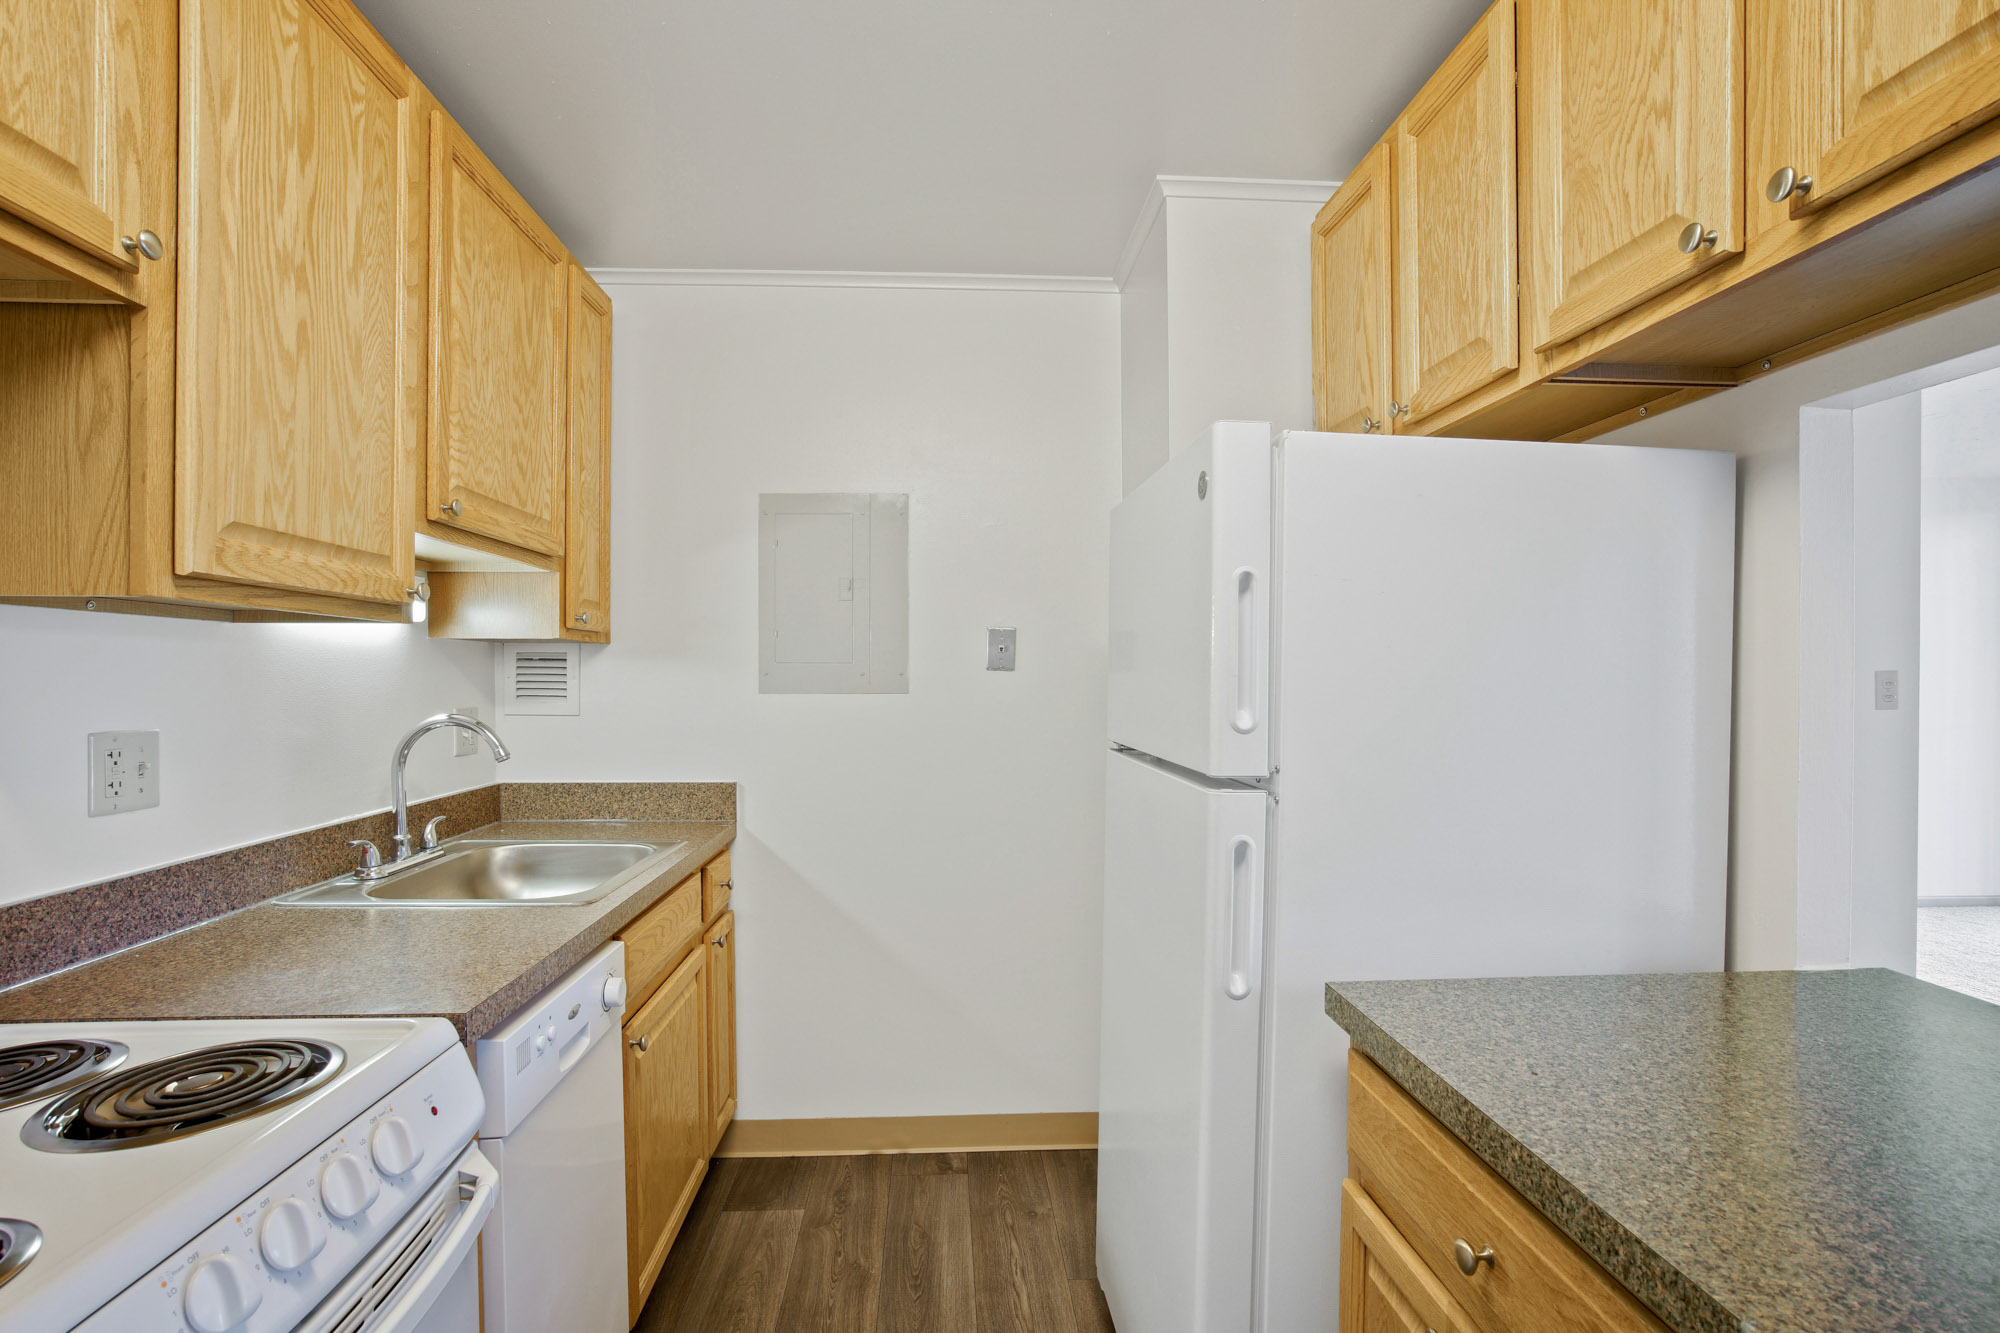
x=856, y=1135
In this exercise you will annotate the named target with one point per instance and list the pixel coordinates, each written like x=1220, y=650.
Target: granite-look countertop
x=473, y=966
x=1747, y=1152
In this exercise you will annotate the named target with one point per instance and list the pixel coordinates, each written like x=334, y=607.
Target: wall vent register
x=540, y=679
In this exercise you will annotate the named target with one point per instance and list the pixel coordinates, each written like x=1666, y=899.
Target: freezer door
x=1177, y=1094
x=1190, y=607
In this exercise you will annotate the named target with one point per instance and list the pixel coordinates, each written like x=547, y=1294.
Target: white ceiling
x=905, y=135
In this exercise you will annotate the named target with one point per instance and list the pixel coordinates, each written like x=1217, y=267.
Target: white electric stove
x=237, y=1176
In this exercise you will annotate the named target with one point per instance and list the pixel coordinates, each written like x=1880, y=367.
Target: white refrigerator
x=1379, y=708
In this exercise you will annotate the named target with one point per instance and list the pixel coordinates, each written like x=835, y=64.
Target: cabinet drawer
x=715, y=886
x=1437, y=1193
x=659, y=938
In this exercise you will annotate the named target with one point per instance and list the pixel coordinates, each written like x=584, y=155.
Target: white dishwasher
x=553, y=1253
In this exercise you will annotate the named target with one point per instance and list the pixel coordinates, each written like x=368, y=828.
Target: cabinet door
x=721, y=942
x=69, y=149
x=1631, y=136
x=1351, y=306
x=587, y=526
x=1457, y=307
x=297, y=399
x=1384, y=1286
x=1883, y=83
x=499, y=284
x=666, y=1118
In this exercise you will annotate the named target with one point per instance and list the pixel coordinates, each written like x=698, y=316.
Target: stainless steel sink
x=497, y=873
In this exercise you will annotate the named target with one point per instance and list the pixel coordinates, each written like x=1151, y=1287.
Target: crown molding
x=1254, y=190
x=758, y=277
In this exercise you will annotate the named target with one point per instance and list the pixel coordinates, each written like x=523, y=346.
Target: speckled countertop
x=473, y=966
x=1747, y=1152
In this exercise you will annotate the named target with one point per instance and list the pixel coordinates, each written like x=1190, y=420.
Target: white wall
x=264, y=730
x=1216, y=286
x=1760, y=422
x=1959, y=764
x=917, y=875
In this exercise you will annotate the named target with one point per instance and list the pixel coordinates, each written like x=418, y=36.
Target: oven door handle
x=478, y=1183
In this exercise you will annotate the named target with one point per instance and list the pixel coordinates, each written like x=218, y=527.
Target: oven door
x=424, y=1276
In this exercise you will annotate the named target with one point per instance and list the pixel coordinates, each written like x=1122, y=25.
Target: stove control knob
x=289, y=1236
x=347, y=1186
x=221, y=1293
x=614, y=992
x=394, y=1147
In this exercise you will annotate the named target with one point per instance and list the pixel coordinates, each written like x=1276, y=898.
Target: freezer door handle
x=1246, y=917
x=1249, y=641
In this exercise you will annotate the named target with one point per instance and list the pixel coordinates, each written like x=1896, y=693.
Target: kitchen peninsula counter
x=1744, y=1152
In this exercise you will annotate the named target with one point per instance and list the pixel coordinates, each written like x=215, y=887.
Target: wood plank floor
x=925, y=1243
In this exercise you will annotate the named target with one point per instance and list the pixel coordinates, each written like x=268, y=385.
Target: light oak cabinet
x=1352, y=276
x=70, y=125
x=1416, y=1194
x=1885, y=83
x=680, y=1062
x=1631, y=153
x=666, y=1119
x=1456, y=272
x=299, y=397
x=499, y=289
x=586, y=574
x=721, y=941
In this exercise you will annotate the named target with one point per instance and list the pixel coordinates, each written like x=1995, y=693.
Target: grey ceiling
x=895, y=135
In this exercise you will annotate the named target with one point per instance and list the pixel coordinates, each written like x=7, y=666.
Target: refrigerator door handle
x=1246, y=917
x=1244, y=716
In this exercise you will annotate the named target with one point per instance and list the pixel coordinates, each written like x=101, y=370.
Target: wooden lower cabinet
x=1384, y=1286
x=680, y=1064
x=1415, y=1194
x=666, y=1119
x=721, y=942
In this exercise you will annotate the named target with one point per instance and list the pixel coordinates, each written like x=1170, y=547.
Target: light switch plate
x=124, y=771
x=999, y=650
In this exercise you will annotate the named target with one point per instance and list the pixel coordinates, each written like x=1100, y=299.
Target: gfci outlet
x=464, y=742
x=124, y=771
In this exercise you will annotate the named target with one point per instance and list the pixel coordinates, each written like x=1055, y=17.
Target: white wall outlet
x=1888, y=691
x=124, y=771
x=464, y=742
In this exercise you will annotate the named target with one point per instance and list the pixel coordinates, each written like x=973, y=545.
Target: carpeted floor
x=1959, y=947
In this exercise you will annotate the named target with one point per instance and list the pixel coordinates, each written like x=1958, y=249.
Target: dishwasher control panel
x=521, y=1061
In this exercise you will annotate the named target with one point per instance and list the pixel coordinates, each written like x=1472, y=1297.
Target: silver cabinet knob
x=583, y=617
x=722, y=943
x=456, y=509
x=1397, y=409
x=146, y=244
x=1369, y=425
x=1785, y=183
x=1468, y=1258
x=642, y=1043
x=1695, y=237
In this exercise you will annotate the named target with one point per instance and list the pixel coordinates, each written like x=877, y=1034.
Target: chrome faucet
x=402, y=850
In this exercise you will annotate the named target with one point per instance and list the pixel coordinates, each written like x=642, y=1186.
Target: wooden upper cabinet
x=499, y=289
x=1457, y=309
x=1863, y=86
x=69, y=131
x=299, y=256
x=587, y=527
x=1351, y=277
x=1631, y=139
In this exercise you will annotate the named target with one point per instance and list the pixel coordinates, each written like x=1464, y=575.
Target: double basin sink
x=495, y=872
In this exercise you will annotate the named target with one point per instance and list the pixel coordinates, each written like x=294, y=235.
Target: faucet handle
x=371, y=855
x=431, y=832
